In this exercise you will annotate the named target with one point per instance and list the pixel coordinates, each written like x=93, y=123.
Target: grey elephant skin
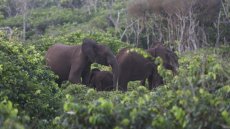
x=101, y=80
x=73, y=62
x=133, y=66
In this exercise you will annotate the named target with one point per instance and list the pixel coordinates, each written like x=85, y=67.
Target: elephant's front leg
x=59, y=82
x=99, y=86
x=156, y=80
x=150, y=82
x=142, y=82
x=86, y=75
x=75, y=75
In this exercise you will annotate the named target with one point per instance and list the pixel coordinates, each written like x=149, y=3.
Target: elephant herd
x=73, y=63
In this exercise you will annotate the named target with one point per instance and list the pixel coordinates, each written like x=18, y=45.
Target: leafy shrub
x=201, y=69
x=140, y=109
x=76, y=38
x=85, y=94
x=26, y=82
x=39, y=19
x=195, y=98
x=8, y=116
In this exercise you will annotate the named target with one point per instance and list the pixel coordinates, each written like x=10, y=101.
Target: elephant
x=133, y=66
x=73, y=63
x=101, y=80
x=170, y=62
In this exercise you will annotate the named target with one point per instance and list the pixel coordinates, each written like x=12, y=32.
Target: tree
x=184, y=20
x=22, y=5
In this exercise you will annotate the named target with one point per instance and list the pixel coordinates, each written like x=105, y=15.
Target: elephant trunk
x=115, y=70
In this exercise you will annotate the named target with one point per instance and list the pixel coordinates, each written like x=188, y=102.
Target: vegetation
x=197, y=97
x=191, y=102
x=27, y=82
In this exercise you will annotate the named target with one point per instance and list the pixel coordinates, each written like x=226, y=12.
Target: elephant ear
x=88, y=48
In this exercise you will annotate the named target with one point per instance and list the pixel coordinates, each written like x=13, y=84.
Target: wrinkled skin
x=133, y=66
x=101, y=80
x=73, y=62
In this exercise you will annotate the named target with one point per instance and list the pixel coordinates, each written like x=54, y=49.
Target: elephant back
x=121, y=53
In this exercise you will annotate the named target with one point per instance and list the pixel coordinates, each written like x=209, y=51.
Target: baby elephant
x=101, y=80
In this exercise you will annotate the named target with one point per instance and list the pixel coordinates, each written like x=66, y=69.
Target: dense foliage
x=135, y=21
x=8, y=116
x=76, y=38
x=26, y=82
x=197, y=97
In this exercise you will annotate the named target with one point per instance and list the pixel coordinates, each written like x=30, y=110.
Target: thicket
x=9, y=116
x=27, y=83
x=40, y=19
x=137, y=22
x=198, y=97
x=77, y=37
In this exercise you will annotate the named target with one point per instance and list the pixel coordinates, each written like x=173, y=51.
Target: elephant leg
x=123, y=85
x=100, y=87
x=157, y=80
x=93, y=84
x=86, y=76
x=142, y=82
x=59, y=82
x=75, y=75
x=150, y=81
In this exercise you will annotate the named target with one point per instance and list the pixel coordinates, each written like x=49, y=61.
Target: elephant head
x=102, y=55
x=170, y=59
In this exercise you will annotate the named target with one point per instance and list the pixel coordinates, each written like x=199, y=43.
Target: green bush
x=83, y=94
x=8, y=116
x=195, y=98
x=39, y=19
x=198, y=97
x=26, y=82
x=201, y=69
x=164, y=108
x=76, y=38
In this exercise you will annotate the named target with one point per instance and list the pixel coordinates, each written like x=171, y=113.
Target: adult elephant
x=170, y=62
x=134, y=66
x=73, y=62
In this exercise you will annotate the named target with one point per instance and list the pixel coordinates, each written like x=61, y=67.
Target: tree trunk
x=24, y=19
